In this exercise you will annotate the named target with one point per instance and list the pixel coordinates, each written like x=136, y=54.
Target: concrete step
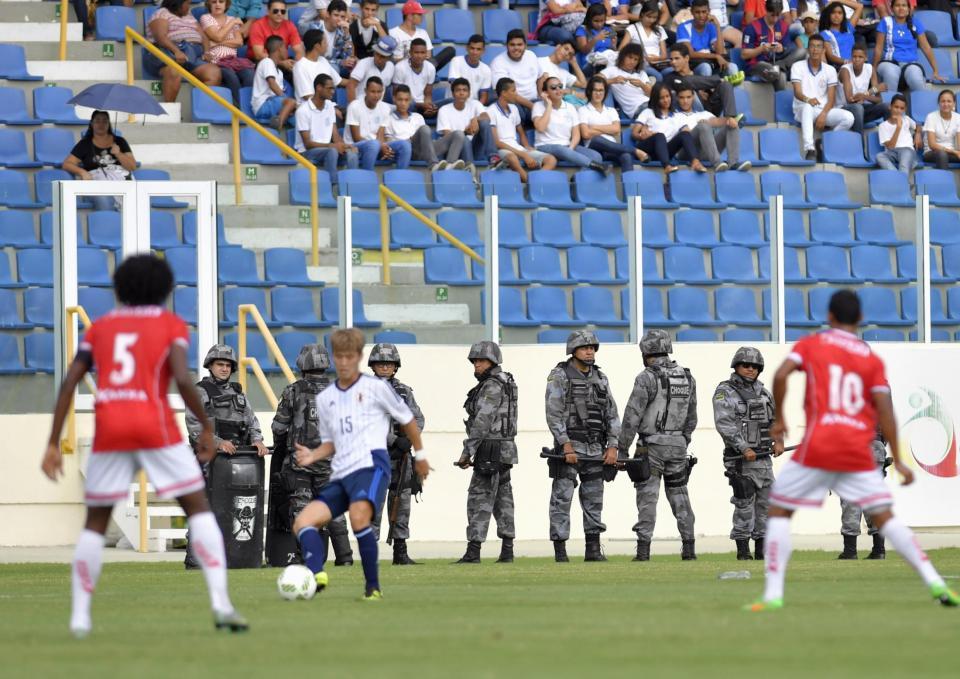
x=258, y=194
x=33, y=31
x=223, y=171
x=420, y=314
x=106, y=70
x=33, y=11
x=282, y=235
x=77, y=48
x=152, y=155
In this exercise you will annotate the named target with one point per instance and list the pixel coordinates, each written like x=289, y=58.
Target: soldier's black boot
x=849, y=547
x=643, y=551
x=688, y=552
x=593, y=551
x=560, y=551
x=879, y=550
x=758, y=549
x=743, y=550
x=400, y=556
x=472, y=555
x=342, y=550
x=506, y=551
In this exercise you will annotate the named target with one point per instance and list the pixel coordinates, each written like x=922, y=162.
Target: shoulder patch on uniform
x=719, y=396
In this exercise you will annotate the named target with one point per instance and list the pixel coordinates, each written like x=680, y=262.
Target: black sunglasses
x=751, y=366
x=554, y=87
x=278, y=11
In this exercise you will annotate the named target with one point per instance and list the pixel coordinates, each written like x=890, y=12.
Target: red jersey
x=130, y=347
x=842, y=376
x=261, y=29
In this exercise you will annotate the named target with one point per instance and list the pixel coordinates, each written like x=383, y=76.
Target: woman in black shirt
x=100, y=155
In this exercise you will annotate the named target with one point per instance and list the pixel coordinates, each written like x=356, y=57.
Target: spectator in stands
x=407, y=134
x=649, y=34
x=711, y=135
x=511, y=142
x=336, y=27
x=810, y=24
x=471, y=67
x=318, y=139
x=708, y=55
x=410, y=29
x=900, y=38
x=523, y=68
x=838, y=33
x=176, y=32
x=595, y=41
x=83, y=15
x=316, y=13
x=306, y=70
x=248, y=11
x=718, y=10
x=859, y=91
x=417, y=74
x=564, y=53
x=900, y=137
x=467, y=115
x=559, y=20
x=754, y=10
x=275, y=23
x=366, y=118
x=768, y=51
x=715, y=94
x=600, y=128
x=558, y=129
x=268, y=101
x=629, y=83
x=815, y=97
x=661, y=134
x=379, y=66
x=100, y=155
x=941, y=140
x=224, y=35
x=366, y=29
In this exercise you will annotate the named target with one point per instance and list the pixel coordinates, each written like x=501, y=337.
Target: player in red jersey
x=136, y=349
x=847, y=394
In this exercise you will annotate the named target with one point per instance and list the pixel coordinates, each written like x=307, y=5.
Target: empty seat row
x=17, y=190
x=238, y=266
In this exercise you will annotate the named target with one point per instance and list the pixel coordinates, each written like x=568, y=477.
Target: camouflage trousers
x=399, y=528
x=302, y=488
x=591, y=497
x=490, y=495
x=850, y=519
x=750, y=514
x=669, y=463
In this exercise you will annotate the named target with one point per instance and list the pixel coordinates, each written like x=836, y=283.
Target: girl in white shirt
x=557, y=128
x=659, y=132
x=941, y=129
x=600, y=128
x=649, y=34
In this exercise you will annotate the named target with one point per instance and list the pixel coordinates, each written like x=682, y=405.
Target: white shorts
x=173, y=471
x=798, y=486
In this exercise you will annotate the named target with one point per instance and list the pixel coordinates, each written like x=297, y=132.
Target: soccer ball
x=296, y=582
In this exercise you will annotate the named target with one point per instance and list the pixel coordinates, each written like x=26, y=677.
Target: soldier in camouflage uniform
x=491, y=426
x=296, y=422
x=385, y=362
x=850, y=514
x=662, y=410
x=743, y=411
x=583, y=419
x=234, y=421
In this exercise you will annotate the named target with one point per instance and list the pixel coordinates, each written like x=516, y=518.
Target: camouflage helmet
x=747, y=355
x=384, y=353
x=487, y=350
x=313, y=357
x=581, y=338
x=220, y=352
x=655, y=342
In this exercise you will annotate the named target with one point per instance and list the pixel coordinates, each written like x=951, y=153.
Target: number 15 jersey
x=130, y=347
x=843, y=373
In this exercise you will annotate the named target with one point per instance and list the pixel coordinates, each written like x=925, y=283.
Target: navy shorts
x=368, y=484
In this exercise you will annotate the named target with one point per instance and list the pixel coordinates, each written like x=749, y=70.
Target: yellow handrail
x=237, y=116
x=244, y=360
x=64, y=12
x=386, y=194
x=69, y=444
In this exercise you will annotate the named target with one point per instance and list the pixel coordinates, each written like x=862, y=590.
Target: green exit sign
x=251, y=173
x=442, y=294
x=56, y=11
x=49, y=83
x=203, y=132
x=356, y=256
x=304, y=216
x=108, y=52
x=155, y=88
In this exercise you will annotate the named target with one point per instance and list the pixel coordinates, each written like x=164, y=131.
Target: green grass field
x=532, y=618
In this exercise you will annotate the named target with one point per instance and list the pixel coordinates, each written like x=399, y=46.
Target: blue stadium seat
x=238, y=266
x=17, y=230
x=654, y=229
x=733, y=264
x=51, y=145
x=595, y=305
x=609, y=336
x=105, y=231
x=783, y=107
x=406, y=231
x=890, y=187
x=43, y=182
x=940, y=23
x=953, y=303
x=9, y=314
x=462, y=225
x=330, y=308
x=695, y=228
x=744, y=105
x=907, y=264
x=819, y=303
x=738, y=189
x=287, y=266
x=690, y=306
x=590, y=264
x=6, y=275
x=908, y=304
x=299, y=188
x=255, y=149
x=10, y=363
x=748, y=149
x=549, y=307
x=13, y=150
x=651, y=274
x=455, y=188
x=696, y=335
x=830, y=227
x=190, y=230
x=409, y=185
x=654, y=313
x=444, y=266
x=872, y=263
x=744, y=335
x=649, y=186
x=513, y=230
x=35, y=266
x=498, y=22
x=553, y=228
x=144, y=174
x=505, y=184
x=453, y=25
x=883, y=335
x=922, y=102
x=738, y=306
x=13, y=64
x=95, y=301
x=395, y=337
x=782, y=146
x=844, y=148
x=113, y=21
x=740, y=227
x=185, y=304
x=38, y=352
x=775, y=182
x=183, y=262
x=38, y=307
x=939, y=185
x=92, y=267
x=13, y=108
x=692, y=189
x=951, y=262
x=944, y=227
x=880, y=306
x=540, y=264
x=795, y=308
x=945, y=65
x=597, y=190
x=295, y=306
x=246, y=97
x=552, y=336
x=794, y=231
x=366, y=230
x=256, y=348
x=829, y=189
x=551, y=188
x=291, y=342
x=508, y=272
x=791, y=265
x=361, y=186
x=682, y=264
x=511, y=309
x=163, y=229
x=234, y=297
x=602, y=228
x=875, y=226
x=828, y=263
x=206, y=110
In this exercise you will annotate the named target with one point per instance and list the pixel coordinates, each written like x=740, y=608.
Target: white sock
x=207, y=542
x=905, y=542
x=87, y=560
x=777, y=546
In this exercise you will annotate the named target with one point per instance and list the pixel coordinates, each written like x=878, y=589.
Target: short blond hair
x=347, y=340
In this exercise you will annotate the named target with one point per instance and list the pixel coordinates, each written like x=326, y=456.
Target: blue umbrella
x=112, y=97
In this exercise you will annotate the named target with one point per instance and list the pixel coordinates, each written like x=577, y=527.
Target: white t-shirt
x=813, y=84
x=319, y=123
x=566, y=78
x=718, y=8
x=650, y=41
x=404, y=39
x=668, y=127
x=366, y=68
x=589, y=115
x=356, y=421
x=524, y=73
x=261, y=90
x=306, y=71
x=630, y=97
x=560, y=128
x=479, y=75
x=691, y=119
x=904, y=139
x=449, y=118
x=944, y=131
x=369, y=121
x=859, y=84
x=397, y=128
x=505, y=123
x=404, y=74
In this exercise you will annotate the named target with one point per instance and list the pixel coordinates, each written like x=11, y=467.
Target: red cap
x=413, y=7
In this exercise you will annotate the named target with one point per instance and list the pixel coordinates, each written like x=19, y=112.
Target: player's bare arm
x=421, y=466
x=177, y=360
x=778, y=430
x=52, y=464
x=888, y=425
x=307, y=456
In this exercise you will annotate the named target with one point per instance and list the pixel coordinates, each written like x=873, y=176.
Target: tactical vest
x=756, y=415
x=587, y=399
x=667, y=412
x=405, y=394
x=304, y=427
x=508, y=415
x=227, y=401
